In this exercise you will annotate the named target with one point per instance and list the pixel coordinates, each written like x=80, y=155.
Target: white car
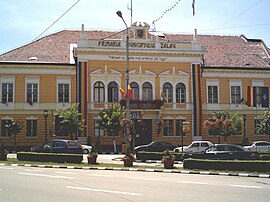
x=86, y=149
x=196, y=146
x=259, y=146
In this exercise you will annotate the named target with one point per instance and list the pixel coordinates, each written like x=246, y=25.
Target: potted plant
x=128, y=158
x=168, y=160
x=3, y=152
x=92, y=157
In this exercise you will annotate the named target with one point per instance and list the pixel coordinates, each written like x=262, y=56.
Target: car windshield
x=73, y=143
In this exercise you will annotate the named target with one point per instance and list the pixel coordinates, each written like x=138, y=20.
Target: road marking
x=141, y=178
x=1, y=189
x=50, y=176
x=104, y=190
x=30, y=170
x=245, y=186
x=190, y=182
x=97, y=175
x=69, y=173
x=6, y=168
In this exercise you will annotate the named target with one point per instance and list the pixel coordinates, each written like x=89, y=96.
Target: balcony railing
x=143, y=104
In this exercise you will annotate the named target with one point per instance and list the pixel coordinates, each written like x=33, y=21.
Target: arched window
x=99, y=92
x=168, y=92
x=180, y=93
x=135, y=89
x=113, y=92
x=147, y=91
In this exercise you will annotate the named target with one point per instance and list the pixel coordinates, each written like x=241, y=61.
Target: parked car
x=196, y=146
x=155, y=147
x=86, y=149
x=259, y=146
x=59, y=146
x=223, y=152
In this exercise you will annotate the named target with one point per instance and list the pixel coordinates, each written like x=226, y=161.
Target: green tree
x=113, y=119
x=70, y=120
x=14, y=128
x=223, y=124
x=263, y=124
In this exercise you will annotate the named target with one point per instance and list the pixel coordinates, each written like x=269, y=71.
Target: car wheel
x=85, y=151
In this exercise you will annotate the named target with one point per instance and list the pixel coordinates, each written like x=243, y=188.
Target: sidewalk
x=117, y=159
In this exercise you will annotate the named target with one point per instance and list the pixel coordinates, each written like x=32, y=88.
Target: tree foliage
x=263, y=124
x=14, y=127
x=223, y=123
x=112, y=119
x=70, y=120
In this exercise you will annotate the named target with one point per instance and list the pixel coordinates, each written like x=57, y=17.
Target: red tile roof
x=221, y=51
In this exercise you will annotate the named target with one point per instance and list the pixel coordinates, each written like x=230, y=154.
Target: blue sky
x=22, y=21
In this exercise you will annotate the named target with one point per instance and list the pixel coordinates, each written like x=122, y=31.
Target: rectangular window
x=7, y=92
x=63, y=92
x=31, y=128
x=168, y=128
x=212, y=94
x=98, y=130
x=235, y=94
x=179, y=128
x=4, y=130
x=32, y=92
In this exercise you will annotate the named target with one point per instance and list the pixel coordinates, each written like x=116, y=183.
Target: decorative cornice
x=137, y=53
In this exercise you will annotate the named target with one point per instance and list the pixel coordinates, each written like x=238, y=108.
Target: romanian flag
x=242, y=100
x=251, y=102
x=121, y=90
x=130, y=92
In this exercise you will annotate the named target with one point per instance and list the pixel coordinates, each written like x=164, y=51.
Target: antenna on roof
x=131, y=11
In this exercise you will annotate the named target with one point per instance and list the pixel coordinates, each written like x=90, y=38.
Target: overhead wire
x=56, y=20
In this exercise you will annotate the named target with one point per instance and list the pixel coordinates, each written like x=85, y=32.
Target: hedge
x=49, y=157
x=231, y=165
x=155, y=156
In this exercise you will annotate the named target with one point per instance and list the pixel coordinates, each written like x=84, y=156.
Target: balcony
x=143, y=104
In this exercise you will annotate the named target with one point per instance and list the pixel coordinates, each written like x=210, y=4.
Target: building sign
x=167, y=45
x=105, y=43
x=109, y=43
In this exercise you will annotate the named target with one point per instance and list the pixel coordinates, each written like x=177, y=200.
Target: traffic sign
x=134, y=115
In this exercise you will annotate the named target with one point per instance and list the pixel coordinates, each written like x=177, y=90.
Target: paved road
x=23, y=184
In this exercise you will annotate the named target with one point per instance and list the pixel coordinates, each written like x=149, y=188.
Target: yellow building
x=174, y=78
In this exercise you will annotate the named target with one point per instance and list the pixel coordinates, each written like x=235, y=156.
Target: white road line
x=30, y=170
x=104, y=190
x=245, y=186
x=1, y=189
x=97, y=175
x=69, y=173
x=6, y=168
x=141, y=178
x=191, y=182
x=50, y=176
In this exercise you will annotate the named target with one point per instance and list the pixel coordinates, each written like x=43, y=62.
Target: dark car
x=155, y=147
x=59, y=146
x=223, y=152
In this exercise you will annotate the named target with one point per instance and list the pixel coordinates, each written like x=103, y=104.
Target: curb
x=143, y=170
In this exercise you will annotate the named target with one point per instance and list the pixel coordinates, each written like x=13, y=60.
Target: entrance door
x=142, y=131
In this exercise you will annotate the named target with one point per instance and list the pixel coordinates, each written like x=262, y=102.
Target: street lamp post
x=45, y=112
x=127, y=128
x=244, y=119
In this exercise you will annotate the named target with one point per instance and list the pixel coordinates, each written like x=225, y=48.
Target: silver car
x=196, y=146
x=259, y=146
